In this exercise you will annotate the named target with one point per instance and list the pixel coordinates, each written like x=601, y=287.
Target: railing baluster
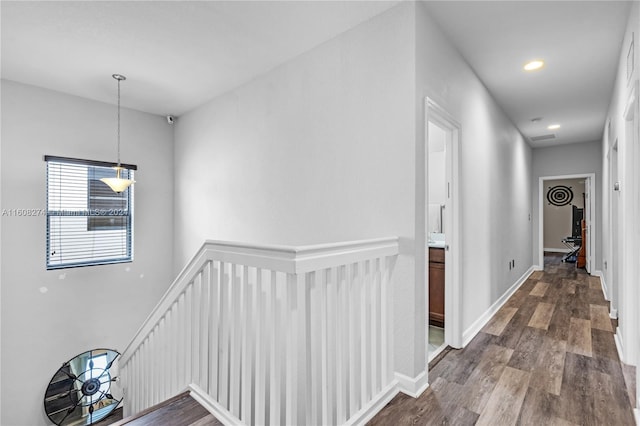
x=355, y=339
x=196, y=325
x=214, y=335
x=365, y=327
x=291, y=391
x=260, y=367
x=342, y=345
x=332, y=356
x=315, y=355
x=205, y=312
x=247, y=345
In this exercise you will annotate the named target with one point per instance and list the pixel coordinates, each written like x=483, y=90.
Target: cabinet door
x=436, y=294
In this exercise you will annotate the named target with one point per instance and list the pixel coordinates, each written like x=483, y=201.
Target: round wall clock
x=81, y=391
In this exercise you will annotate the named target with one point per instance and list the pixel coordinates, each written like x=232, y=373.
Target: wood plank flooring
x=547, y=357
x=181, y=410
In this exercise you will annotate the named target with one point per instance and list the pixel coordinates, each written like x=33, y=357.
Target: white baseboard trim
x=619, y=344
x=537, y=268
x=636, y=412
x=557, y=250
x=475, y=328
x=434, y=354
x=213, y=406
x=375, y=405
x=603, y=284
x=613, y=313
x=412, y=386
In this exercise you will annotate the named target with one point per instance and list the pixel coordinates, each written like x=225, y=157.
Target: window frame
x=89, y=212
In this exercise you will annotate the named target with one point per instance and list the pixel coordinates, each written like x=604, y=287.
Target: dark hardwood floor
x=181, y=410
x=547, y=357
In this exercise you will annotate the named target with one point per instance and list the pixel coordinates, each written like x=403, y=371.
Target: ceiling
x=580, y=42
x=177, y=55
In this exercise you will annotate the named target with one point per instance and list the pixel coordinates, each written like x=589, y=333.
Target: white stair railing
x=271, y=335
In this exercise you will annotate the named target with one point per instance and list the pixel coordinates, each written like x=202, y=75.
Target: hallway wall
x=320, y=149
x=624, y=290
x=48, y=317
x=495, y=167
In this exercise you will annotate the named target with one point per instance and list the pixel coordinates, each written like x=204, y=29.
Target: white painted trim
x=538, y=268
x=438, y=351
x=619, y=344
x=629, y=110
x=412, y=386
x=603, y=284
x=592, y=235
x=453, y=265
x=212, y=406
x=636, y=413
x=374, y=406
x=613, y=313
x=475, y=328
x=556, y=250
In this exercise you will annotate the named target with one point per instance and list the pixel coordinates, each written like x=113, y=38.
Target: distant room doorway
x=442, y=225
x=567, y=211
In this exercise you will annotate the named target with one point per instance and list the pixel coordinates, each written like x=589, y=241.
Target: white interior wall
x=572, y=159
x=437, y=176
x=628, y=250
x=495, y=164
x=83, y=308
x=320, y=149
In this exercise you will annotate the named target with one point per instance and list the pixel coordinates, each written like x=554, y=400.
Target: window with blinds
x=87, y=223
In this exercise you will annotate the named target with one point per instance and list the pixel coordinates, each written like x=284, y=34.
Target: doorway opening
x=567, y=214
x=442, y=226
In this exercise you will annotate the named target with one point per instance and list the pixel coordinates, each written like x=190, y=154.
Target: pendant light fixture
x=118, y=183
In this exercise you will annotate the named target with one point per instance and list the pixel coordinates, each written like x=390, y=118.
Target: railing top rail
x=287, y=259
x=286, y=250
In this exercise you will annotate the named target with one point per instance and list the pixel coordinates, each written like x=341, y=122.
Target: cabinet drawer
x=436, y=255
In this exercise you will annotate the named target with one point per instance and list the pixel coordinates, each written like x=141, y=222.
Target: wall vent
x=542, y=137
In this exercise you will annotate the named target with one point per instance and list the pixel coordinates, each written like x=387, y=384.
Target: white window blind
x=87, y=223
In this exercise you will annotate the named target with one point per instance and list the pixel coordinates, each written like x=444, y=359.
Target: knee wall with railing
x=271, y=335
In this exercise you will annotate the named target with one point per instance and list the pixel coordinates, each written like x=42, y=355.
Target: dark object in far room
x=576, y=220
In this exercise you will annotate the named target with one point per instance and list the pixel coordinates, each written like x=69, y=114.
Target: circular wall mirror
x=82, y=391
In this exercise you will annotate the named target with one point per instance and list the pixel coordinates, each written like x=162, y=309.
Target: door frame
x=453, y=237
x=591, y=181
x=612, y=269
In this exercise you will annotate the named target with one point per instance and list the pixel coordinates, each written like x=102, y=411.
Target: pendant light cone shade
x=118, y=184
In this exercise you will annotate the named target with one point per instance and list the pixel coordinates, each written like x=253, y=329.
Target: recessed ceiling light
x=534, y=65
x=553, y=127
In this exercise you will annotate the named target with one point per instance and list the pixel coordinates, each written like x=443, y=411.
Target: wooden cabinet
x=581, y=261
x=436, y=287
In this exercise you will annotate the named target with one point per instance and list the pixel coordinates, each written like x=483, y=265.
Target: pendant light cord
x=119, y=78
x=118, y=121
